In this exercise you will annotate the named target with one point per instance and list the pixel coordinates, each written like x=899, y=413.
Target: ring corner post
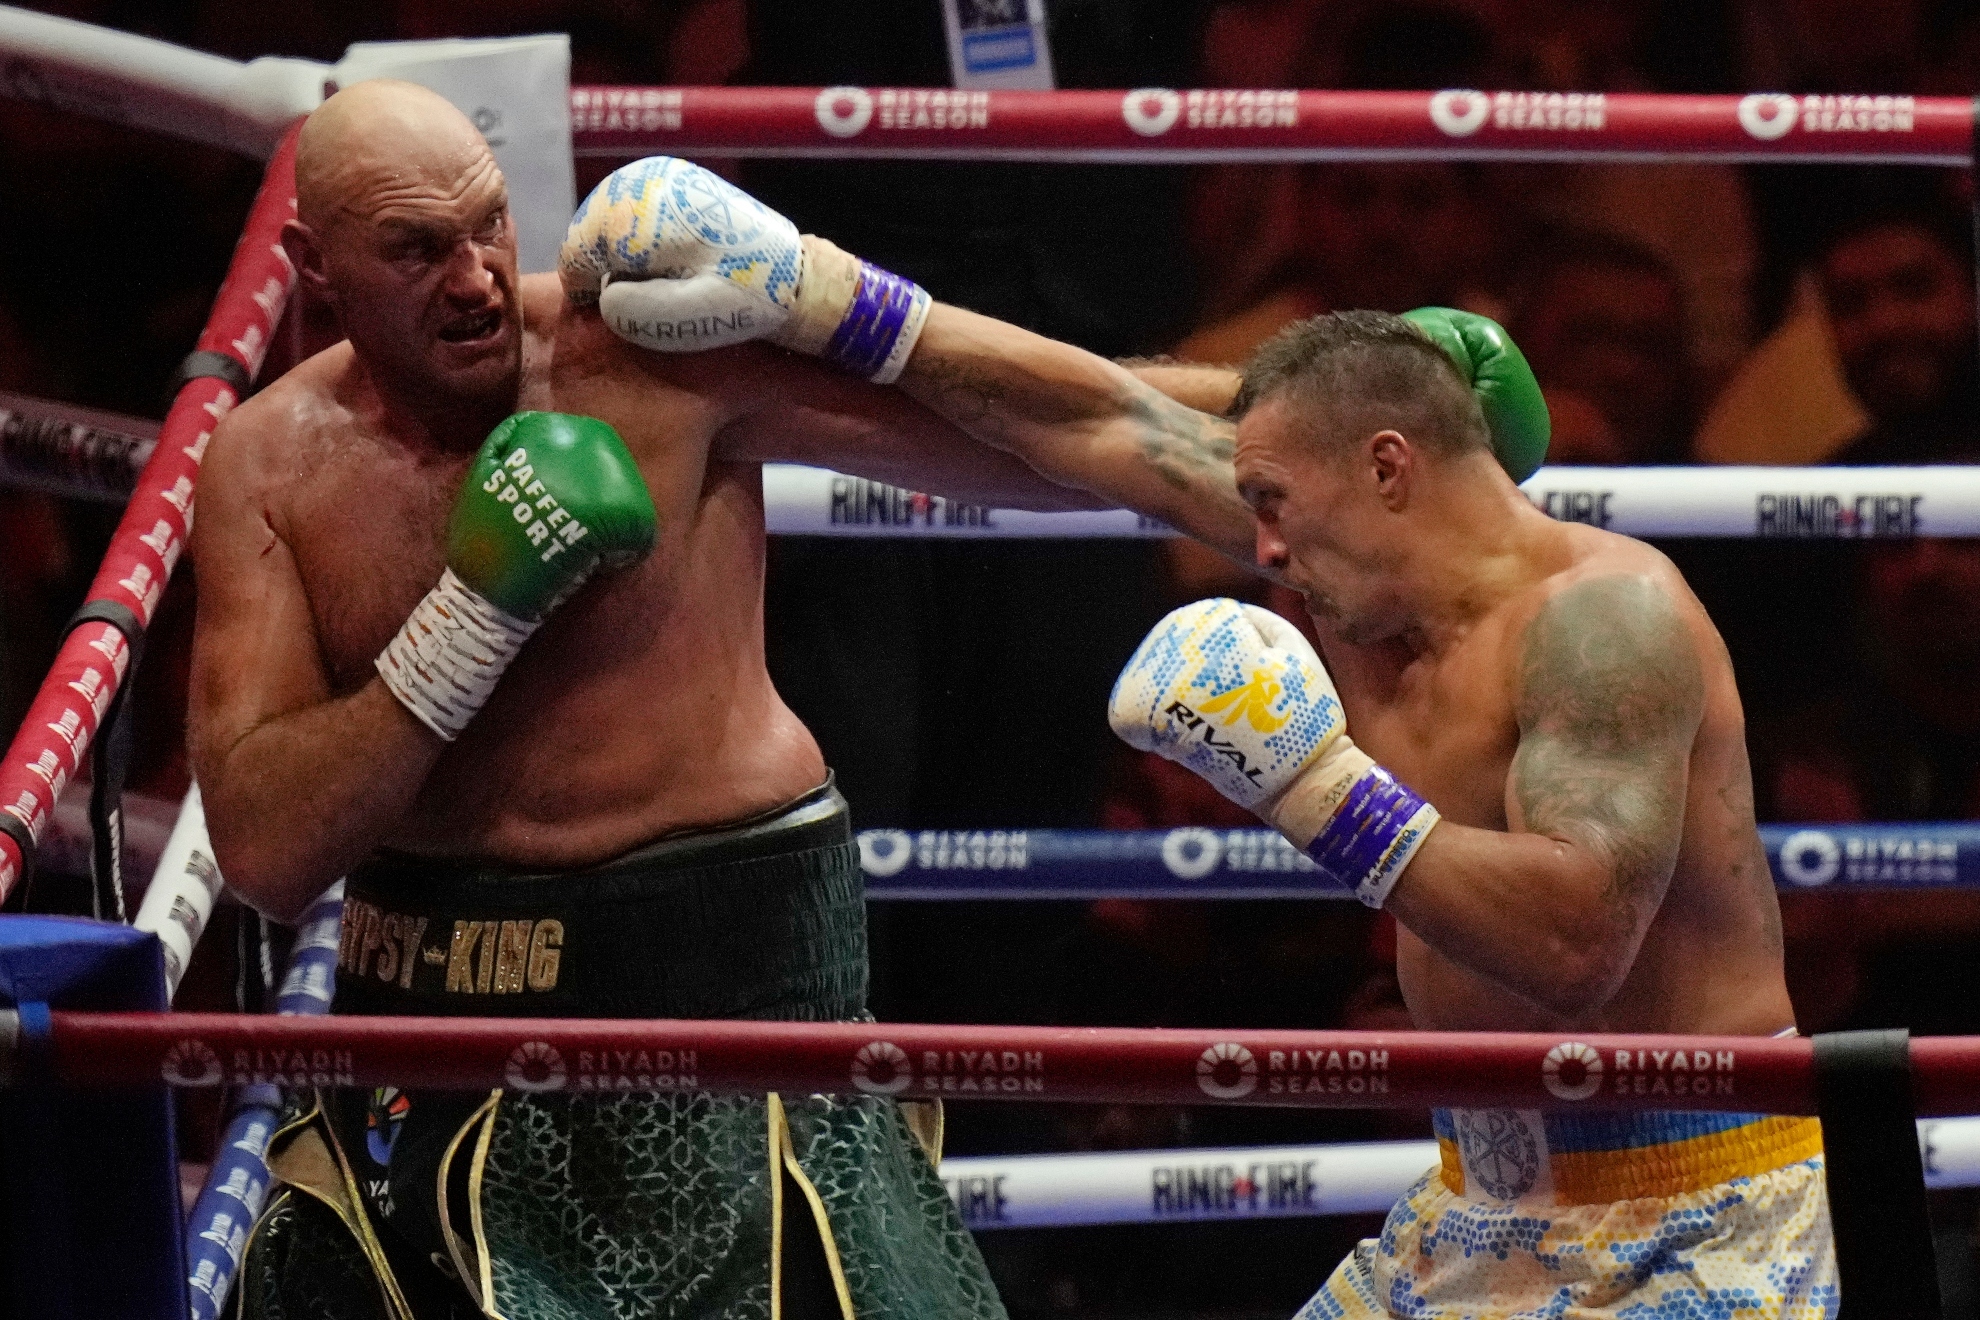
x=90, y=1222
x=1885, y=1259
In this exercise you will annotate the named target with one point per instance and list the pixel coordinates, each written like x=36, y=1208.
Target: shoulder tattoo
x=1611, y=691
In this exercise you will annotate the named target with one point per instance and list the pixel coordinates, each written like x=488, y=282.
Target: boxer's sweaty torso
x=1448, y=727
x=643, y=706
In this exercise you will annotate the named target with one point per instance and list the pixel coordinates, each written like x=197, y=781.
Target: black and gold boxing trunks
x=602, y=1204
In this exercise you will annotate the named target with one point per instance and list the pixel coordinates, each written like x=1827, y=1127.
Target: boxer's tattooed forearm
x=994, y=402
x=1611, y=693
x=1183, y=446
x=1189, y=450
x=971, y=398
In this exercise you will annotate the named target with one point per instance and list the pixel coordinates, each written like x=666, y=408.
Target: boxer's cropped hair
x=1355, y=373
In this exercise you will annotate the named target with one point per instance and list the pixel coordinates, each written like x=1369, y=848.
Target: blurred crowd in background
x=1674, y=313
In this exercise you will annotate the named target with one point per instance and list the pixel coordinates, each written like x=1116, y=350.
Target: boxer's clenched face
x=403, y=227
x=1323, y=521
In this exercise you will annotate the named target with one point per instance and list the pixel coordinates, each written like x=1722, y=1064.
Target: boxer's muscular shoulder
x=270, y=442
x=1611, y=693
x=1607, y=647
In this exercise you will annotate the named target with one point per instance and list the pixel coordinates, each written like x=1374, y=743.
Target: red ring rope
x=1159, y=125
x=1330, y=1069
x=49, y=747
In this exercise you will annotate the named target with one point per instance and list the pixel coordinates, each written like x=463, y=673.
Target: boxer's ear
x=1393, y=465
x=306, y=255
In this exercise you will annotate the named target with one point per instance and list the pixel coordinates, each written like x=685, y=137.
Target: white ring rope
x=1265, y=1182
x=94, y=455
x=79, y=453
x=1799, y=503
x=182, y=892
x=133, y=80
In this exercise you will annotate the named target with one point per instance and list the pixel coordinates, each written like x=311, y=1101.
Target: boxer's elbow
x=1591, y=942
x=263, y=868
x=1581, y=977
x=272, y=894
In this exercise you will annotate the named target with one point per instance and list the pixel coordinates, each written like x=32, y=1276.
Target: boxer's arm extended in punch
x=299, y=784
x=647, y=248
x=805, y=412
x=1087, y=422
x=1611, y=692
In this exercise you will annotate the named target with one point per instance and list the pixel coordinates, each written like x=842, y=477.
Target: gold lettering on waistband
x=372, y=937
x=393, y=936
x=481, y=957
x=545, y=954
x=388, y=948
x=512, y=957
x=347, y=932
x=484, y=968
x=410, y=929
x=460, y=975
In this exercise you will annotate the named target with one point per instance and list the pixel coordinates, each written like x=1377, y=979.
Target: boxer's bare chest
x=1445, y=727
x=367, y=527
x=367, y=516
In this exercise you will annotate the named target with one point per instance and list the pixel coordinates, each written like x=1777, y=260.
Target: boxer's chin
x=480, y=364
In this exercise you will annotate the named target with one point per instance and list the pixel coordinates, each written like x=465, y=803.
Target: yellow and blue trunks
x=1649, y=1216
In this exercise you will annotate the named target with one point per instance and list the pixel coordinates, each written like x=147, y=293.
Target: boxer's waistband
x=764, y=918
x=1507, y=1155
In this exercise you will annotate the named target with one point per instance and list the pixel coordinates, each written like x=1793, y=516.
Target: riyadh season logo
x=191, y=1063
x=1191, y=854
x=881, y=1068
x=843, y=111
x=1572, y=1070
x=1459, y=112
x=1227, y=1071
x=1768, y=116
x=884, y=852
x=535, y=1065
x=1151, y=111
x=1810, y=858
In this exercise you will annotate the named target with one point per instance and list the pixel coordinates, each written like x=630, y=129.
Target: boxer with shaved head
x=480, y=626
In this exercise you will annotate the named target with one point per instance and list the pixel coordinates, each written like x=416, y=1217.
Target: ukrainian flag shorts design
x=1644, y=1216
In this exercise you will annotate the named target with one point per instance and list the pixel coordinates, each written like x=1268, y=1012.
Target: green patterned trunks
x=664, y=1203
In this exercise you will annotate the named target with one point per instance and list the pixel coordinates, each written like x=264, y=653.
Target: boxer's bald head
x=379, y=138
x=402, y=226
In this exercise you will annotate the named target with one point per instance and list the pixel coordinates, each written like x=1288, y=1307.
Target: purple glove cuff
x=881, y=326
x=1372, y=836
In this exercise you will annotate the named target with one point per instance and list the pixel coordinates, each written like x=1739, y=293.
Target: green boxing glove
x=550, y=499
x=1515, y=412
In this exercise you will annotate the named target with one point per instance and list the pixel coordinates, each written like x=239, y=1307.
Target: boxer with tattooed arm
x=1547, y=783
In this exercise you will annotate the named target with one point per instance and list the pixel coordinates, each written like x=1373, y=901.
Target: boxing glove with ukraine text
x=549, y=499
x=1508, y=394
x=1235, y=693
x=678, y=259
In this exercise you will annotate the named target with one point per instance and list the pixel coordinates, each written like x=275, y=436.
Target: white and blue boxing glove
x=679, y=259
x=1236, y=694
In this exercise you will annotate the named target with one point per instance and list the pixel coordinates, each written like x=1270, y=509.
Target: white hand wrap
x=443, y=664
